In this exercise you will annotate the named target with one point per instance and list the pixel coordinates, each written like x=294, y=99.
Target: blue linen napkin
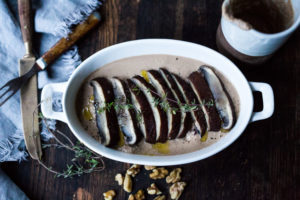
x=51, y=22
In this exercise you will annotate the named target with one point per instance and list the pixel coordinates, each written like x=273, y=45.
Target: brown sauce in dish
x=129, y=67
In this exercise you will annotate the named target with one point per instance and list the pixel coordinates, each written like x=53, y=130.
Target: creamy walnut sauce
x=128, y=67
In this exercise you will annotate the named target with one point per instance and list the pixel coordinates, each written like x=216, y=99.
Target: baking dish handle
x=267, y=98
x=47, y=101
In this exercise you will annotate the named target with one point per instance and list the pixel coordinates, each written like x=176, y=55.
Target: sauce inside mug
x=266, y=16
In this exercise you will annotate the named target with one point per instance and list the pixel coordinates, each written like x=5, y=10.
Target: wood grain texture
x=26, y=23
x=262, y=164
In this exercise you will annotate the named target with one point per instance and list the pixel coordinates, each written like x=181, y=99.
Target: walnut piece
x=174, y=176
x=138, y=196
x=162, y=197
x=127, y=183
x=131, y=197
x=159, y=173
x=133, y=170
x=109, y=195
x=147, y=167
x=119, y=178
x=153, y=189
x=176, y=190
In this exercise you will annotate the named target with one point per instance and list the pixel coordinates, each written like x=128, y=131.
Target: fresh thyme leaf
x=156, y=101
x=136, y=90
x=139, y=116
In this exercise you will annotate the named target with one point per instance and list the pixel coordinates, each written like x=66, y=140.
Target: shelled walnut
x=153, y=189
x=174, y=176
x=119, y=178
x=131, y=197
x=138, y=196
x=133, y=170
x=127, y=183
x=147, y=167
x=109, y=195
x=162, y=197
x=159, y=173
x=176, y=190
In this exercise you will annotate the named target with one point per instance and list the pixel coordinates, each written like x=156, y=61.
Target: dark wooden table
x=263, y=163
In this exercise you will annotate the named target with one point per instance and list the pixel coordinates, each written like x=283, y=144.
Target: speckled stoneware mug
x=247, y=43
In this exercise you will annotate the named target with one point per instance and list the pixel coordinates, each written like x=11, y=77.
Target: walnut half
x=162, y=197
x=148, y=167
x=127, y=183
x=176, y=190
x=138, y=196
x=119, y=178
x=159, y=173
x=153, y=189
x=174, y=176
x=109, y=195
x=133, y=170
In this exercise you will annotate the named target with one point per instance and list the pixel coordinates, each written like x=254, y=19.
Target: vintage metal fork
x=12, y=86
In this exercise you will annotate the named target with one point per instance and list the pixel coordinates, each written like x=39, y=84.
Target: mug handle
x=267, y=98
x=46, y=101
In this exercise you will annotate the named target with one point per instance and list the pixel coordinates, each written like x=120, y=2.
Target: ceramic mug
x=251, y=42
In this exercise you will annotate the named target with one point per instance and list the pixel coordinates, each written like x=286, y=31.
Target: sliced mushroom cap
x=159, y=115
x=125, y=111
x=191, y=99
x=169, y=103
x=186, y=117
x=223, y=101
x=206, y=99
x=106, y=117
x=145, y=116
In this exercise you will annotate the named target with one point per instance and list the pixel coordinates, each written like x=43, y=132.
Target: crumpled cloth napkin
x=52, y=20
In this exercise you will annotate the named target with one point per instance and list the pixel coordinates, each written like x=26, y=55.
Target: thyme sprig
x=158, y=100
x=84, y=161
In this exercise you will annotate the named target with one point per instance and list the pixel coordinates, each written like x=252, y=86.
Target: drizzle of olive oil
x=204, y=137
x=145, y=75
x=121, y=142
x=87, y=113
x=162, y=148
x=224, y=130
x=91, y=99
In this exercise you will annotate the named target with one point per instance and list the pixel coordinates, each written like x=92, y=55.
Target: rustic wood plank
x=262, y=164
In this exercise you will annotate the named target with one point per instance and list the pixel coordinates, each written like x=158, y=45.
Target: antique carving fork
x=12, y=86
x=29, y=98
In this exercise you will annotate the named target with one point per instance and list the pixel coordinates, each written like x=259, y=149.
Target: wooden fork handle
x=65, y=43
x=25, y=14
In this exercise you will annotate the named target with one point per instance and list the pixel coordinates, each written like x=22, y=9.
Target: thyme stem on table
x=84, y=161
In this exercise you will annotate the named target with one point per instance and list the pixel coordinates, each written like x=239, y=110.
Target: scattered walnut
x=162, y=197
x=109, y=195
x=153, y=189
x=133, y=170
x=159, y=173
x=147, y=167
x=131, y=197
x=176, y=190
x=174, y=176
x=139, y=195
x=119, y=178
x=127, y=183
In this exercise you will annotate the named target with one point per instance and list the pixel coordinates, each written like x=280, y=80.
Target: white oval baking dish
x=158, y=46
